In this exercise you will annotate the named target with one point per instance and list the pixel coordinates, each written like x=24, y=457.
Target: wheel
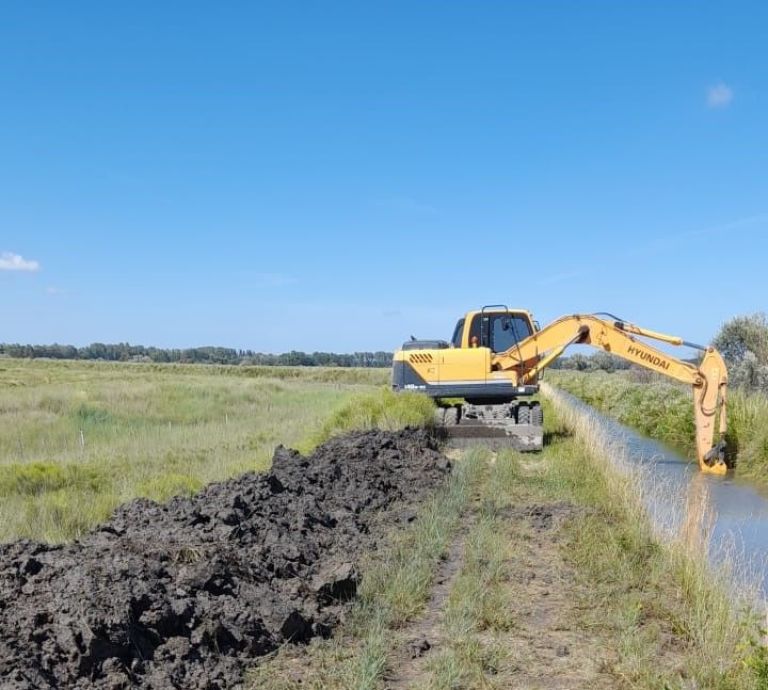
x=537, y=414
x=451, y=416
x=523, y=413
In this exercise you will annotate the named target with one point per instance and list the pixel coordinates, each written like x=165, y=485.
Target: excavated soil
x=187, y=594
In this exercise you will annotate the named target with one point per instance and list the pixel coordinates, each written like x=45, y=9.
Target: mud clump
x=189, y=593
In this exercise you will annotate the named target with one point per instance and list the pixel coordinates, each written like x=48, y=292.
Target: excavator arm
x=708, y=380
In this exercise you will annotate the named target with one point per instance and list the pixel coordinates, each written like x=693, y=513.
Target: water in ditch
x=734, y=513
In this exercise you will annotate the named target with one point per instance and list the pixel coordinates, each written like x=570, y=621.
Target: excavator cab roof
x=499, y=309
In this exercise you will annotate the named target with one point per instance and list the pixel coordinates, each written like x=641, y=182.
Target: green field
x=78, y=438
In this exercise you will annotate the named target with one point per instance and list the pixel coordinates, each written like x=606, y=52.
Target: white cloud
x=719, y=95
x=54, y=291
x=15, y=262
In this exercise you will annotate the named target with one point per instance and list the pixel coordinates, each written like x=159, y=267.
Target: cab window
x=498, y=331
x=476, y=334
x=456, y=340
x=507, y=330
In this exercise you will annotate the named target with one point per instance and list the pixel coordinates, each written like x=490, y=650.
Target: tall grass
x=78, y=438
x=381, y=409
x=620, y=553
x=665, y=411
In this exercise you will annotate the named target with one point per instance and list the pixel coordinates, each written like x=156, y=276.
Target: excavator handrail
x=709, y=380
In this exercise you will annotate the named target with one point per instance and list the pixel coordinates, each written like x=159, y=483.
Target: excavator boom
x=708, y=379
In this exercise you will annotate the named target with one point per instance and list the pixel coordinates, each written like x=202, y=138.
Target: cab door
x=465, y=364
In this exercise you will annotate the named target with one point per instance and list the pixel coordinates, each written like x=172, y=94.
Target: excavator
x=481, y=378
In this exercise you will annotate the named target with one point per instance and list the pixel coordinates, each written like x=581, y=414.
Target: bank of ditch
x=679, y=622
x=542, y=572
x=664, y=411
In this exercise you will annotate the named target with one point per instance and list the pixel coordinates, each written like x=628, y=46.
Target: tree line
x=124, y=352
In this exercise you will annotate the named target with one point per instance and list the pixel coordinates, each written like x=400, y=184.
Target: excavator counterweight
x=497, y=355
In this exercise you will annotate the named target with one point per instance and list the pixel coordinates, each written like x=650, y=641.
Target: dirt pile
x=186, y=594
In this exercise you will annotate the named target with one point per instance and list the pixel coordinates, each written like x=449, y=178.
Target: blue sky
x=337, y=176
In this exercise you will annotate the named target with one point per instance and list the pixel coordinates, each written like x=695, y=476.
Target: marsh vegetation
x=79, y=438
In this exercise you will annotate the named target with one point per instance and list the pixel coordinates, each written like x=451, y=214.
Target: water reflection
x=731, y=515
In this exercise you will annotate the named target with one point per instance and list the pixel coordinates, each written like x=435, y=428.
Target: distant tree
x=744, y=334
x=605, y=361
x=743, y=342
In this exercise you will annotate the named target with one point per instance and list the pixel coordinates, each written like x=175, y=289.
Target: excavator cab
x=496, y=327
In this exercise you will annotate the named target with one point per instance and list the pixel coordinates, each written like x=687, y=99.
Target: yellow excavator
x=497, y=354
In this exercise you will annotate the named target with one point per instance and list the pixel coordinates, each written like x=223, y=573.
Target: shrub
x=743, y=342
x=41, y=477
x=383, y=409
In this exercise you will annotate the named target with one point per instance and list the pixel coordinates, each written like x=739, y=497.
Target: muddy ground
x=189, y=593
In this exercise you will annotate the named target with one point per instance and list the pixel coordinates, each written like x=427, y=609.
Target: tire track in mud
x=423, y=636
x=545, y=646
x=189, y=593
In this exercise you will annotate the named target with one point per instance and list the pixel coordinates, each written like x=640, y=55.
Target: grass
x=659, y=409
x=21, y=371
x=382, y=409
x=479, y=608
x=400, y=584
x=664, y=411
x=79, y=438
